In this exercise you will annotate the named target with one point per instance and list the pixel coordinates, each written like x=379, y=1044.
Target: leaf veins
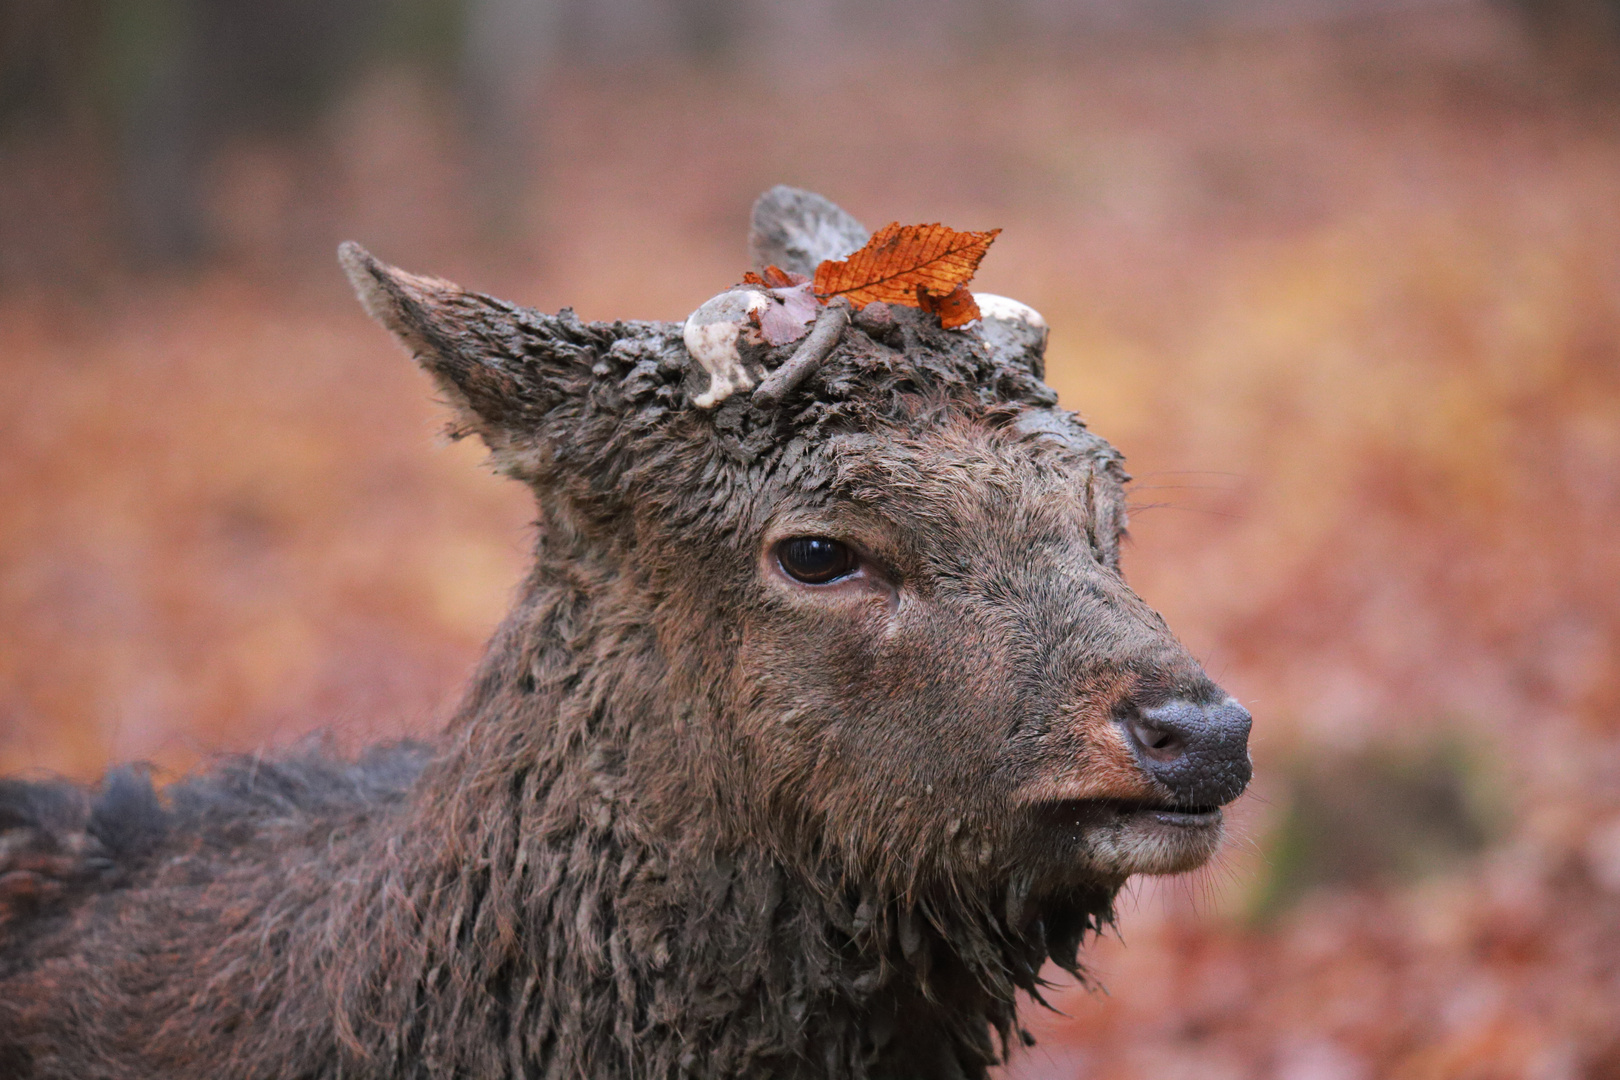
x=926, y=266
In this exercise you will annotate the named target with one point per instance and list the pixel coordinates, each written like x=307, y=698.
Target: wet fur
x=678, y=826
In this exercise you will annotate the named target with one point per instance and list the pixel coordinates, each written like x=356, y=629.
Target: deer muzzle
x=1199, y=753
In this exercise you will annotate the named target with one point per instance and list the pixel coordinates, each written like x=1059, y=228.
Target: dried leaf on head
x=926, y=266
x=792, y=306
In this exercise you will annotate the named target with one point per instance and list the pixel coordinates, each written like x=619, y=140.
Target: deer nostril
x=1197, y=751
x=1159, y=743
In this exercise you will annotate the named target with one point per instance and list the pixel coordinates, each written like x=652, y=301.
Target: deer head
x=883, y=618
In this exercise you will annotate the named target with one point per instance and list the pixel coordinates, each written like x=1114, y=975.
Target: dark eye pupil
x=815, y=559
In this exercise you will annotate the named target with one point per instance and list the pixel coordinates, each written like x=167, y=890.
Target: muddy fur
x=688, y=821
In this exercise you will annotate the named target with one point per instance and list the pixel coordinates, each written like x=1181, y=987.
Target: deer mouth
x=1091, y=813
x=1121, y=837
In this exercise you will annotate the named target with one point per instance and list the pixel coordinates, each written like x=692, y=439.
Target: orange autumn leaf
x=774, y=278
x=955, y=308
x=915, y=265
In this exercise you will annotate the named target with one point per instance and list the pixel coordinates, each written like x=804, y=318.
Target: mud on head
x=891, y=629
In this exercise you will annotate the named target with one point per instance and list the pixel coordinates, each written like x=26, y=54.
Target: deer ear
x=558, y=401
x=466, y=341
x=797, y=230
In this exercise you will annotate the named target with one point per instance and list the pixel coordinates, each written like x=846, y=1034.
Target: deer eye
x=816, y=560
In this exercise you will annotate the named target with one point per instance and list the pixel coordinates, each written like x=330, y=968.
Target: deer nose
x=1199, y=752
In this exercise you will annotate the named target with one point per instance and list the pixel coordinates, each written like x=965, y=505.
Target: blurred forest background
x=1341, y=278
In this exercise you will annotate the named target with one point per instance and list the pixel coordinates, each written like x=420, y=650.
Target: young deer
x=823, y=720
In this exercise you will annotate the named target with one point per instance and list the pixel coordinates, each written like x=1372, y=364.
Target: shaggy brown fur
x=692, y=819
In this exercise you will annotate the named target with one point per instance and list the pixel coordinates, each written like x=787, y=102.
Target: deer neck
x=553, y=918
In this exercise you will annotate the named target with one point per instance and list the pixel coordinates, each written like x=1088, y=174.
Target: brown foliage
x=926, y=266
x=1367, y=282
x=774, y=277
x=792, y=309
